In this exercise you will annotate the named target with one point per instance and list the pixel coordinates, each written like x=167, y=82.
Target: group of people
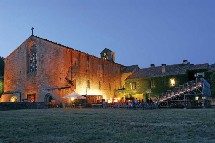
x=148, y=104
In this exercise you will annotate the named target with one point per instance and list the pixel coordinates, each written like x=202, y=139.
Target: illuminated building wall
x=39, y=68
x=156, y=80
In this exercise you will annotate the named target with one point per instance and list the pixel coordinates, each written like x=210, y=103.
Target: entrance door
x=48, y=98
x=14, y=99
x=31, y=97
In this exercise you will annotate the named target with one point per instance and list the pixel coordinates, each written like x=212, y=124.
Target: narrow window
x=152, y=83
x=88, y=83
x=99, y=85
x=133, y=85
x=109, y=86
x=99, y=72
x=32, y=61
x=74, y=83
x=172, y=82
x=88, y=63
x=105, y=56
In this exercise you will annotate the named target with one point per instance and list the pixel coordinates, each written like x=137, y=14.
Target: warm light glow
x=172, y=82
x=109, y=101
x=90, y=91
x=196, y=98
x=13, y=99
x=115, y=100
x=72, y=98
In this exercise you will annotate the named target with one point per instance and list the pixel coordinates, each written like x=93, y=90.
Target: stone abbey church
x=40, y=70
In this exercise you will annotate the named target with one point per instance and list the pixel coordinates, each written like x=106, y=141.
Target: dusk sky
x=140, y=32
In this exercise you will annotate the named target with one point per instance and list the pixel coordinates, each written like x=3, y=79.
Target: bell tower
x=107, y=54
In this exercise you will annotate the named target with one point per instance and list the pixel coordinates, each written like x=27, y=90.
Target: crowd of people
x=137, y=104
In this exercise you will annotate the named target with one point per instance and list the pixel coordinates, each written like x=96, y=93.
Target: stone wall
x=23, y=105
x=61, y=70
x=124, y=76
x=94, y=76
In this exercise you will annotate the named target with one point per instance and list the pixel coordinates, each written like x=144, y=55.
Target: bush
x=1, y=66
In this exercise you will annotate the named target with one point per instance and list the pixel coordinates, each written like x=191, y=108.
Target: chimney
x=163, y=68
x=185, y=62
x=152, y=65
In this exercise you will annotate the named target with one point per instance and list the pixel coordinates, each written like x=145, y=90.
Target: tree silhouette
x=1, y=66
x=212, y=78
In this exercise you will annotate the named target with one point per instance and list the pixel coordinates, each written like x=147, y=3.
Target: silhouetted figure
x=135, y=103
x=147, y=100
x=150, y=101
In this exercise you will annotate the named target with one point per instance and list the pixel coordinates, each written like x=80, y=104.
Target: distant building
x=40, y=70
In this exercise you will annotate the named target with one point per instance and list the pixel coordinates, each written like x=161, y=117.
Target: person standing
x=135, y=102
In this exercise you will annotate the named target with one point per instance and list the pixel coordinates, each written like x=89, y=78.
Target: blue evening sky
x=138, y=31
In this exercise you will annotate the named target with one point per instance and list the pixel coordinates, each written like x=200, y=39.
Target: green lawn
x=107, y=125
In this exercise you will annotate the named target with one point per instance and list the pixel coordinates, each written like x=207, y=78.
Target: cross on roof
x=32, y=31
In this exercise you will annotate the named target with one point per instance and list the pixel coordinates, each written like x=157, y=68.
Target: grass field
x=107, y=125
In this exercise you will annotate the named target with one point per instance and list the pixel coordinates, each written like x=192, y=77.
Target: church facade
x=40, y=70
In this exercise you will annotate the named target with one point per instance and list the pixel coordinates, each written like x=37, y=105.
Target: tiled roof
x=199, y=66
x=72, y=48
x=106, y=50
x=176, y=69
x=132, y=68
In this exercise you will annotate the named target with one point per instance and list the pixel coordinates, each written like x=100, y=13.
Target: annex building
x=156, y=81
x=40, y=70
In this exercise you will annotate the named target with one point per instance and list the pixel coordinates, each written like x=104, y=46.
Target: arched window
x=33, y=61
x=14, y=99
x=32, y=57
x=48, y=98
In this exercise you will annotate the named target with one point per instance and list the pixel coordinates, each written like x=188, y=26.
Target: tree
x=212, y=82
x=1, y=86
x=1, y=66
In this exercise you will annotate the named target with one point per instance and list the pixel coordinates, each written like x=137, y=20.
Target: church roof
x=199, y=66
x=132, y=68
x=176, y=69
x=106, y=50
x=63, y=47
x=56, y=43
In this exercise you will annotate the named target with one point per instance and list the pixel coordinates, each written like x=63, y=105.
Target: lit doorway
x=14, y=99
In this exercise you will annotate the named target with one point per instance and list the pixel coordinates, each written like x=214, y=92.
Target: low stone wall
x=22, y=105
